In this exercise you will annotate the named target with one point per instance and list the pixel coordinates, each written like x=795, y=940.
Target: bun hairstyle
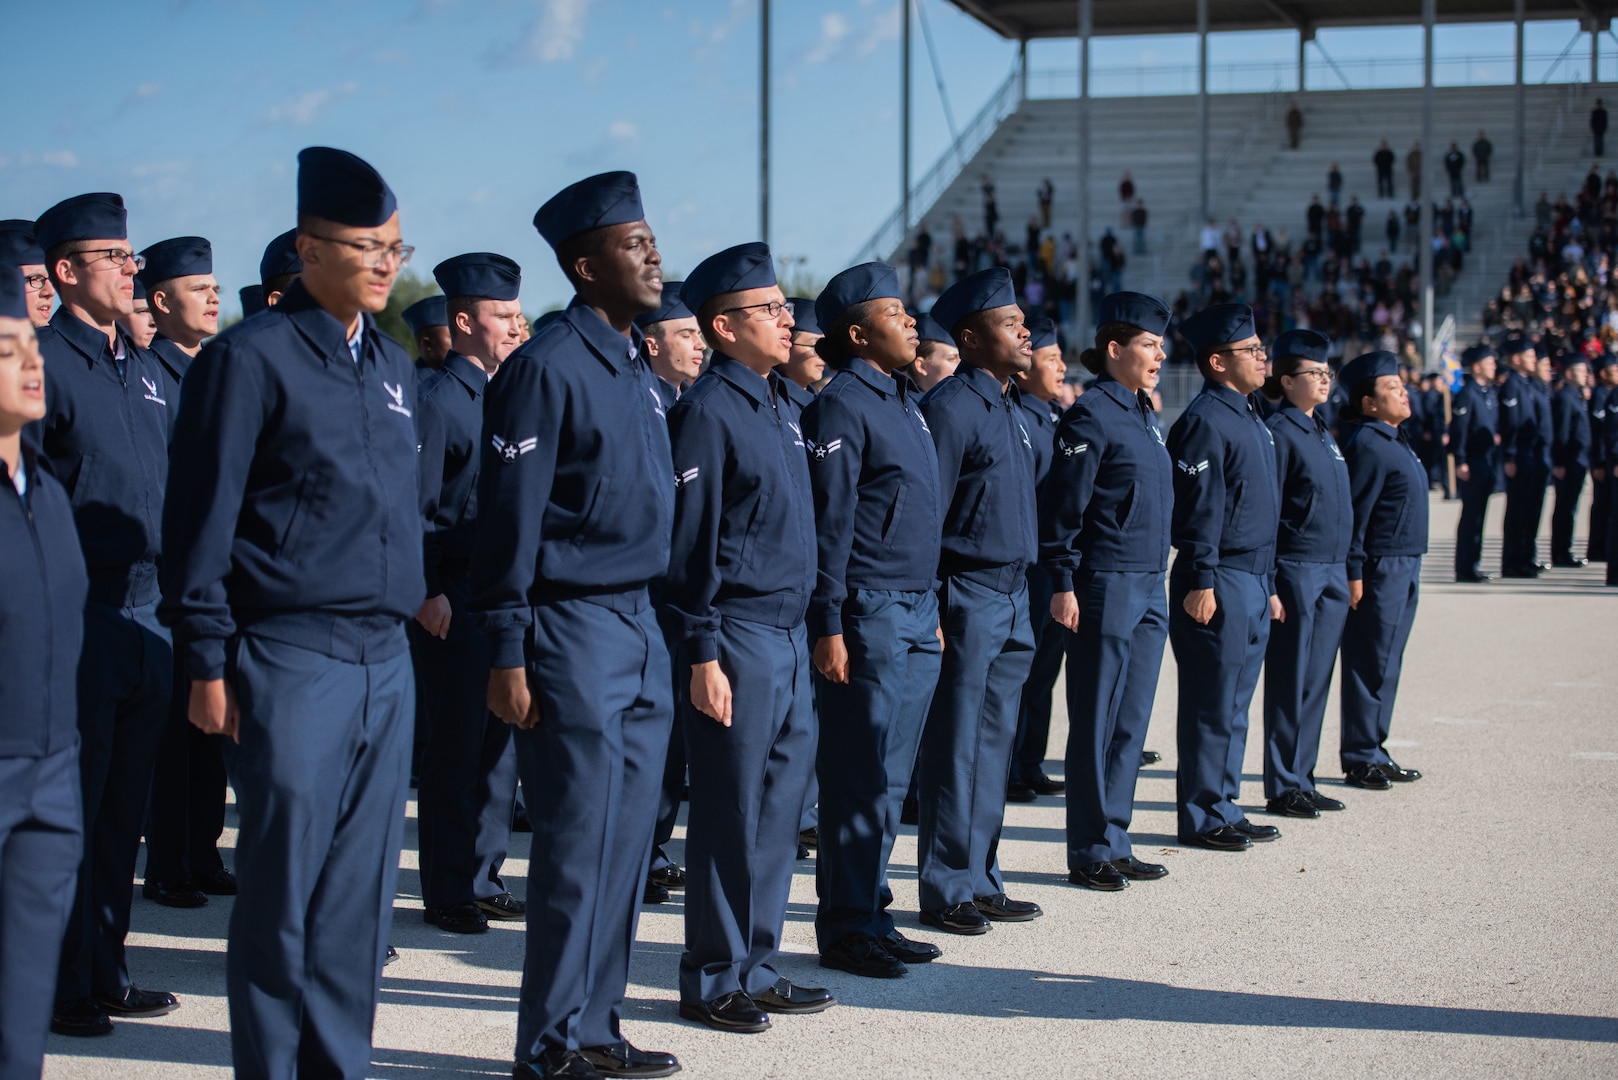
x=835, y=347
x=1358, y=392
x=1280, y=365
x=1095, y=360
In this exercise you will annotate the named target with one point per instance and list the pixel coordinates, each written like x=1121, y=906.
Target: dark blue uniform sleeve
x=1199, y=495
x=698, y=441
x=514, y=489
x=430, y=467
x=1514, y=409
x=1366, y=477
x=838, y=433
x=1462, y=416
x=949, y=439
x=1563, y=416
x=1080, y=444
x=215, y=435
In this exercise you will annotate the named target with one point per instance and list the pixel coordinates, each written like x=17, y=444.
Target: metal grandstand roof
x=1021, y=19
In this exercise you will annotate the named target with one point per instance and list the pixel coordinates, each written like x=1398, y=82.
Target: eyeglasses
x=771, y=309
x=1323, y=374
x=35, y=282
x=117, y=256
x=373, y=255
x=1252, y=351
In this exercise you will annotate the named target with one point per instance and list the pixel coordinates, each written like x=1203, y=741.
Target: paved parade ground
x=1465, y=925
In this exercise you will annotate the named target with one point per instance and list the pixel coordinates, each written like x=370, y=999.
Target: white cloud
x=555, y=34
x=624, y=130
x=61, y=159
x=833, y=30
x=888, y=25
x=303, y=109
x=147, y=90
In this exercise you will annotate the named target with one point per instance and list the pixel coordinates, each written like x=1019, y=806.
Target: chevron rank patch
x=511, y=450
x=1192, y=470
x=1072, y=449
x=822, y=451
x=690, y=475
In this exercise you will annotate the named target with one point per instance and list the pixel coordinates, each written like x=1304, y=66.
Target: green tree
x=409, y=288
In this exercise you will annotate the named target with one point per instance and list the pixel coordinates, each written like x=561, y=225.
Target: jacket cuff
x=702, y=648
x=1203, y=579
x=505, y=647
x=1061, y=579
x=204, y=659
x=1356, y=569
x=827, y=622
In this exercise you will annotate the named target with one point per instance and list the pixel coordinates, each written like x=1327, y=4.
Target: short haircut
x=279, y=283
x=582, y=245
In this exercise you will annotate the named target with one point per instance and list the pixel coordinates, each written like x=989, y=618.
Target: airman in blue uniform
x=803, y=370
x=293, y=563
x=279, y=266
x=1388, y=486
x=19, y=248
x=468, y=771
x=1221, y=589
x=1605, y=367
x=1038, y=387
x=105, y=436
x=575, y=506
x=986, y=481
x=874, y=614
x=1604, y=434
x=1311, y=552
x=1525, y=452
x=428, y=320
x=1570, y=455
x=741, y=570
x=1473, y=439
x=1104, y=539
x=42, y=594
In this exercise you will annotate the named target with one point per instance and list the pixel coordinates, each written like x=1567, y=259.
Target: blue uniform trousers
x=670, y=795
x=1612, y=525
x=810, y=816
x=1034, y=709
x=1297, y=670
x=125, y=676
x=966, y=751
x=1374, y=640
x=1475, y=493
x=1219, y=665
x=1525, y=505
x=869, y=733
x=599, y=671
x=746, y=798
x=321, y=776
x=1563, y=513
x=1113, y=665
x=468, y=783
x=187, y=813
x=41, y=837
x=1600, y=511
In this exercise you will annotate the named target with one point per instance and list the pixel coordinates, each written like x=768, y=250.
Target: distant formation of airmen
x=795, y=560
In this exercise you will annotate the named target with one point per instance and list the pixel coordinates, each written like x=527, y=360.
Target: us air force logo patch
x=923, y=420
x=657, y=402
x=152, y=394
x=396, y=392
x=511, y=451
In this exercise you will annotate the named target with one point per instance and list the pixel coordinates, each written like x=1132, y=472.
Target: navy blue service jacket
x=1570, y=429
x=1227, y=497
x=1388, y=484
x=449, y=442
x=1525, y=421
x=1317, y=514
x=1474, y=420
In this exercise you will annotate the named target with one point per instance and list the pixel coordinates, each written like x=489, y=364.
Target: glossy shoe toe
x=1044, y=785
x=557, y=1064
x=1324, y=802
x=910, y=951
x=784, y=997
x=654, y=893
x=1100, y=876
x=1149, y=757
x=179, y=894
x=734, y=1011
x=1368, y=777
x=1131, y=867
x=1397, y=775
x=1224, y=838
x=809, y=838
x=620, y=1059
x=1019, y=792
x=1293, y=804
x=457, y=919
x=958, y=919
x=80, y=1019
x=1002, y=908
x=137, y=1004
x=1259, y=834
x=670, y=877
x=504, y=906
x=220, y=882
x=862, y=954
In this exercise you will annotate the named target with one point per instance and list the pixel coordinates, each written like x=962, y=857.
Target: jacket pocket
x=1126, y=505
x=306, y=506
x=590, y=519
x=977, y=516
x=890, y=528
x=754, y=522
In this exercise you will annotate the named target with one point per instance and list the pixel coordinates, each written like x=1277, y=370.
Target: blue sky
x=476, y=111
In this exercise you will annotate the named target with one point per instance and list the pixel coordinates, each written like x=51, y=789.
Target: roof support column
x=904, y=131
x=1202, y=105
x=1082, y=313
x=764, y=121
x=1595, y=48
x=1518, y=203
x=1303, y=47
x=1429, y=154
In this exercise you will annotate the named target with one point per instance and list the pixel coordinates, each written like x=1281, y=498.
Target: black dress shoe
x=1293, y=804
x=654, y=893
x=620, y=1059
x=1044, y=785
x=458, y=919
x=1131, y=867
x=803, y=851
x=911, y=951
x=390, y=956
x=137, y=1004
x=1017, y=791
x=1324, y=802
x=1521, y=572
x=958, y=919
x=1224, y=838
x=182, y=894
x=1473, y=578
x=503, y=906
x=862, y=954
x=734, y=1011
x=1569, y=564
x=1100, y=876
x=1149, y=757
x=560, y=1064
x=80, y=1019
x=1366, y=776
x=910, y=812
x=809, y=838
x=1393, y=772
x=1002, y=908
x=784, y=997
x=220, y=882
x=1259, y=834
x=670, y=877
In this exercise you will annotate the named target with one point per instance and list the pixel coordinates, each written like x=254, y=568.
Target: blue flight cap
x=982, y=291
x=140, y=288
x=1218, y=325
x=857, y=284
x=671, y=307
x=1140, y=310
x=337, y=186
x=252, y=299
x=1484, y=351
x=1043, y=331
x=97, y=216
x=736, y=269
x=928, y=329
x=183, y=256
x=1307, y=344
x=1372, y=365
x=479, y=273
x=803, y=315
x=1603, y=360
x=1515, y=345
x=13, y=294
x=1568, y=359
x=425, y=313
x=610, y=198
x=17, y=244
x=280, y=257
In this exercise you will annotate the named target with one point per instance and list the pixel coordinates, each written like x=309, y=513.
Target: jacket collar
x=320, y=327
x=1237, y=402
x=873, y=376
x=986, y=386
x=1121, y=395
x=794, y=393
x=90, y=342
x=617, y=351
x=743, y=378
x=468, y=373
x=1298, y=416
x=171, y=356
x=1382, y=428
